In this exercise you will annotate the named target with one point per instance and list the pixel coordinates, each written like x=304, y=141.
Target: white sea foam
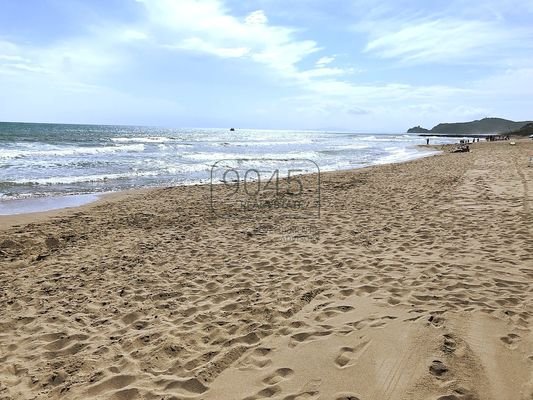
x=82, y=178
x=217, y=156
x=148, y=139
x=64, y=151
x=402, y=154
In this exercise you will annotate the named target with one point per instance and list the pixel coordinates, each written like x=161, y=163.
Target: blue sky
x=360, y=65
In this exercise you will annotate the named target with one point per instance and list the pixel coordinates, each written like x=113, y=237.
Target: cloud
x=207, y=26
x=441, y=40
x=455, y=35
x=129, y=35
x=13, y=60
x=391, y=41
x=322, y=61
x=256, y=18
x=197, y=44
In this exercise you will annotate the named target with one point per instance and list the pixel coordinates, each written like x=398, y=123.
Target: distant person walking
x=427, y=141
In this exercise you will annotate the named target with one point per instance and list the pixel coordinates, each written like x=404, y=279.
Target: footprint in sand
x=435, y=320
x=450, y=345
x=459, y=394
x=344, y=357
x=379, y=322
x=278, y=376
x=125, y=394
x=303, y=337
x=347, y=396
x=348, y=355
x=510, y=340
x=272, y=391
x=257, y=360
x=269, y=392
x=325, y=315
x=332, y=311
x=347, y=292
x=191, y=385
x=311, y=395
x=341, y=309
x=265, y=393
x=437, y=368
x=112, y=383
x=308, y=392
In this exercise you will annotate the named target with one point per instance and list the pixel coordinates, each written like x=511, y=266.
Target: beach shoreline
x=412, y=281
x=47, y=160
x=7, y=220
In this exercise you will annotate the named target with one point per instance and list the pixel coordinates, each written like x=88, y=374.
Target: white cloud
x=207, y=26
x=444, y=39
x=129, y=35
x=256, y=18
x=10, y=58
x=13, y=60
x=72, y=65
x=318, y=85
x=322, y=61
x=200, y=45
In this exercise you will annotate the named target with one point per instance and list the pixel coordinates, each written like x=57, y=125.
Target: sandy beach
x=413, y=282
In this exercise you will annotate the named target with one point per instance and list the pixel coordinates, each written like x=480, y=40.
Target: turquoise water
x=39, y=160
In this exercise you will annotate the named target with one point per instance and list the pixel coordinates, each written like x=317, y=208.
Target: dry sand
x=415, y=283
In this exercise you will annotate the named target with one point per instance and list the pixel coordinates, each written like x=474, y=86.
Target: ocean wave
x=166, y=171
x=62, y=180
x=218, y=156
x=402, y=154
x=115, y=158
x=148, y=139
x=56, y=151
x=265, y=143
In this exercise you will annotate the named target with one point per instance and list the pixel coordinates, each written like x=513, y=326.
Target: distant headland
x=479, y=127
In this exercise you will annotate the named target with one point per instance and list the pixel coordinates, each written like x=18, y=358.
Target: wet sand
x=414, y=283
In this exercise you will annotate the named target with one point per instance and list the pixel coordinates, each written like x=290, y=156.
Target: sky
x=350, y=65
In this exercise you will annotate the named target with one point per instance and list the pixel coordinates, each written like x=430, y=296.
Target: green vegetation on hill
x=525, y=130
x=418, y=129
x=485, y=125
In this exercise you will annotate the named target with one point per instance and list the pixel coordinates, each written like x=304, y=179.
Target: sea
x=46, y=166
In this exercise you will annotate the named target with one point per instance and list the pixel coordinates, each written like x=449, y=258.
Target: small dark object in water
x=232, y=129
